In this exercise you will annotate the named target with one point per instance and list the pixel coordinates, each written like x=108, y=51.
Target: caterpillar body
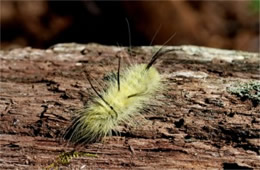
x=66, y=157
x=119, y=103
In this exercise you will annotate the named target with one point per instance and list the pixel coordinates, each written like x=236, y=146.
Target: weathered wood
x=199, y=123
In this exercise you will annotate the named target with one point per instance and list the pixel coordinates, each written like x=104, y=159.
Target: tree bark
x=203, y=119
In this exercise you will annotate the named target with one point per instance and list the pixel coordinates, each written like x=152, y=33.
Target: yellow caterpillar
x=125, y=97
x=66, y=157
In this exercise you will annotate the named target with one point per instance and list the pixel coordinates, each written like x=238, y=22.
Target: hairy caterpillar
x=66, y=157
x=125, y=96
x=123, y=100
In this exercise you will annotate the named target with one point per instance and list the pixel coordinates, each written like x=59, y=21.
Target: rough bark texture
x=201, y=122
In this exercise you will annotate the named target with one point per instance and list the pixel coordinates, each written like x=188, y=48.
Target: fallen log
x=208, y=117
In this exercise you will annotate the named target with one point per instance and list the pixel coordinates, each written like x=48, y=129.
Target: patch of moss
x=246, y=91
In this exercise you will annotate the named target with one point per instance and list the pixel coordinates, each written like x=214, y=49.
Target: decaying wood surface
x=197, y=124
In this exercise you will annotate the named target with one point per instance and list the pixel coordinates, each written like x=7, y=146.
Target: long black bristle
x=157, y=31
x=158, y=53
x=99, y=95
x=129, y=36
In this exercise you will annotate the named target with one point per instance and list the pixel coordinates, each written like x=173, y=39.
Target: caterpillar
x=126, y=95
x=65, y=158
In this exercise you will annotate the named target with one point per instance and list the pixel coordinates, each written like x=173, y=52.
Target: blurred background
x=219, y=24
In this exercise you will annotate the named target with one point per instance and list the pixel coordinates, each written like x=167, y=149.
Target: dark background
x=220, y=24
